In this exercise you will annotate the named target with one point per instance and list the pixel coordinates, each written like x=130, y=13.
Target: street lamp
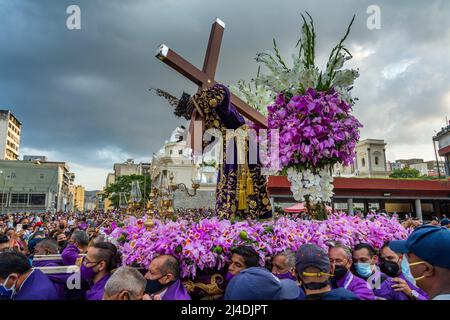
x=196, y=179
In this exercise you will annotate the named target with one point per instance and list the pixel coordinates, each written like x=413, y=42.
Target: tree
x=123, y=184
x=405, y=173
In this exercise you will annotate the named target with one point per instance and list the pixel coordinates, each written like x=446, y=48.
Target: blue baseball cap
x=311, y=255
x=429, y=243
x=254, y=284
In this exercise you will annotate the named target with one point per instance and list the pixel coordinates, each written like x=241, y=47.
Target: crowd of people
x=415, y=269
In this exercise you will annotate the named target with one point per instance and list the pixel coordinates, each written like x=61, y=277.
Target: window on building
x=171, y=151
x=180, y=151
x=363, y=162
x=41, y=176
x=37, y=199
x=3, y=197
x=19, y=198
x=376, y=160
x=13, y=175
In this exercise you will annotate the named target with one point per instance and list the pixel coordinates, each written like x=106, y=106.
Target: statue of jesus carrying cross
x=241, y=188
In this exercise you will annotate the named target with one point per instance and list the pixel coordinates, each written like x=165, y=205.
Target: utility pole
x=437, y=159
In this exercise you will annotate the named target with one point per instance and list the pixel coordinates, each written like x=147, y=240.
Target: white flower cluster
x=318, y=187
x=258, y=97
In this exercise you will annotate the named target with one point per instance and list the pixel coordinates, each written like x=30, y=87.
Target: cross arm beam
x=178, y=63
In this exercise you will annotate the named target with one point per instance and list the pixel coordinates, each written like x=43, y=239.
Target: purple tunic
x=356, y=285
x=70, y=255
x=59, y=280
x=176, y=291
x=422, y=294
x=386, y=291
x=37, y=287
x=97, y=289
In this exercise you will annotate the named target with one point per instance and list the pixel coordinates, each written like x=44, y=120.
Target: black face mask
x=315, y=285
x=390, y=268
x=154, y=286
x=340, y=271
x=61, y=226
x=62, y=244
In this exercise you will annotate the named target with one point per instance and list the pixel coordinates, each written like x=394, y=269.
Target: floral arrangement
x=207, y=244
x=311, y=113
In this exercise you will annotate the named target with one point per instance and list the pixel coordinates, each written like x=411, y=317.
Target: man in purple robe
x=341, y=258
x=283, y=265
x=78, y=243
x=241, y=188
x=163, y=279
x=46, y=247
x=394, y=265
x=18, y=281
x=365, y=262
x=100, y=260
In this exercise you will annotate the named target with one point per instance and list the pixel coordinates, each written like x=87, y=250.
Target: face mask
x=415, y=264
x=390, y=268
x=62, y=243
x=5, y=292
x=229, y=276
x=340, y=271
x=315, y=285
x=406, y=271
x=86, y=273
x=61, y=226
x=363, y=269
x=154, y=286
x=286, y=275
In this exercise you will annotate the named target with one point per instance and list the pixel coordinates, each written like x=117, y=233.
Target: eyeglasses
x=86, y=262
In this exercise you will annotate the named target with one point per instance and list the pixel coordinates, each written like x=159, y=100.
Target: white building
x=10, y=129
x=370, y=160
x=28, y=186
x=175, y=158
x=443, y=140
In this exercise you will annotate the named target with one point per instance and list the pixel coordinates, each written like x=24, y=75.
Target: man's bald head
x=168, y=264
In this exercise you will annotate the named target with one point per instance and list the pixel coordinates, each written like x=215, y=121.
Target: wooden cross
x=205, y=79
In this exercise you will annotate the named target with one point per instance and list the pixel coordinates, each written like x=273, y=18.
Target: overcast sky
x=82, y=95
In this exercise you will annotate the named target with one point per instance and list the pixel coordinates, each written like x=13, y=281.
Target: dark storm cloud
x=83, y=95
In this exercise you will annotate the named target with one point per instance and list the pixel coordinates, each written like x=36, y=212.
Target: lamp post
x=162, y=193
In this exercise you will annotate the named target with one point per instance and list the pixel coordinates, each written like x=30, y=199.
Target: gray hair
x=347, y=250
x=290, y=258
x=80, y=237
x=125, y=278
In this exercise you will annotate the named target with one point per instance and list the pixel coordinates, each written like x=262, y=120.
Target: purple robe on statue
x=356, y=285
x=234, y=180
x=70, y=255
x=59, y=280
x=176, y=291
x=37, y=287
x=97, y=289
